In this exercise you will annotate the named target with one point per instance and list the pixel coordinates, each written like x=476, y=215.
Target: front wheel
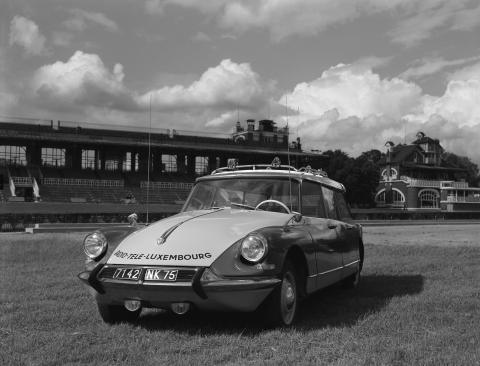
x=117, y=314
x=281, y=306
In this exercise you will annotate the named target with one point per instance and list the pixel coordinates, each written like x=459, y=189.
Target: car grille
x=184, y=274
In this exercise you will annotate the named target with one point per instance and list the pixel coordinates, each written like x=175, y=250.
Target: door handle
x=332, y=226
x=350, y=227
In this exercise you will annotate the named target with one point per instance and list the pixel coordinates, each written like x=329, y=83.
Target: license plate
x=127, y=273
x=154, y=274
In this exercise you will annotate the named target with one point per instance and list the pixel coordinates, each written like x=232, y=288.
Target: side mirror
x=132, y=219
x=297, y=217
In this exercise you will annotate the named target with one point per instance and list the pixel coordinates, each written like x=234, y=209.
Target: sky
x=344, y=74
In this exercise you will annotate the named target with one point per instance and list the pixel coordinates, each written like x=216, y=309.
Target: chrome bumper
x=242, y=294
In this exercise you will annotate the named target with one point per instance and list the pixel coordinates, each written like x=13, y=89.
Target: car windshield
x=243, y=193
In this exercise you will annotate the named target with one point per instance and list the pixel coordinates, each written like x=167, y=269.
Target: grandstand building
x=83, y=169
x=415, y=177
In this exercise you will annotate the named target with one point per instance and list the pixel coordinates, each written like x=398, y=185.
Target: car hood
x=195, y=238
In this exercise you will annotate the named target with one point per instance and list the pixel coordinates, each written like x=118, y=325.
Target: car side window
x=312, y=200
x=328, y=198
x=342, y=208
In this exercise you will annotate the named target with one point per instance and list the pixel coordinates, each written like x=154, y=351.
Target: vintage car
x=248, y=238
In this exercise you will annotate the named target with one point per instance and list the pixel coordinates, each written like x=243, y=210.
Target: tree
x=360, y=176
x=471, y=171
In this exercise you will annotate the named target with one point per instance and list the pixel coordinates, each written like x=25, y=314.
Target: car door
x=324, y=235
x=350, y=233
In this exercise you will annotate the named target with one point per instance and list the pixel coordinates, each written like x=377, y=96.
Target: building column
x=181, y=167
x=191, y=164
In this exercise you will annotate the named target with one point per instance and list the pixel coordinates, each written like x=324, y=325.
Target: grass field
x=418, y=304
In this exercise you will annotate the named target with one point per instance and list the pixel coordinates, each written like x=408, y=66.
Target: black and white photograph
x=239, y=182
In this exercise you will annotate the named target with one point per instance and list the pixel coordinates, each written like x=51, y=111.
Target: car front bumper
x=232, y=294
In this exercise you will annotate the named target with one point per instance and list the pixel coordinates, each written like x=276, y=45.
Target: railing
x=166, y=185
x=469, y=199
x=114, y=127
x=83, y=182
x=22, y=181
x=446, y=185
x=424, y=183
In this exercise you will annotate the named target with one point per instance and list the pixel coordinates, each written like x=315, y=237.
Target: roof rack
x=255, y=167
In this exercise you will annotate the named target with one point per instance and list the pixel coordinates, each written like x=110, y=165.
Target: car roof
x=281, y=172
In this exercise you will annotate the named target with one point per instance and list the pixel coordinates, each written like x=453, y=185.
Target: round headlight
x=254, y=247
x=95, y=245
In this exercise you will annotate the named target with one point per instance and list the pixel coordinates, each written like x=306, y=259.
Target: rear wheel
x=281, y=306
x=117, y=313
x=351, y=281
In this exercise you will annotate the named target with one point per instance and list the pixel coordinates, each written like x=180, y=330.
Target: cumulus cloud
x=354, y=91
x=25, y=33
x=80, y=19
x=226, y=86
x=83, y=80
x=351, y=108
x=459, y=103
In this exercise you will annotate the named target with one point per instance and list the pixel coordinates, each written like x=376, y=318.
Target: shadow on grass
x=333, y=306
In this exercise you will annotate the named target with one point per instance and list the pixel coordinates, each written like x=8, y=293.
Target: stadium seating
x=82, y=193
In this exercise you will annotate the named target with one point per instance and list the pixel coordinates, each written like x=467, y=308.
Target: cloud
x=62, y=39
x=467, y=73
x=430, y=66
x=25, y=33
x=459, y=103
x=201, y=37
x=83, y=80
x=351, y=108
x=154, y=7
x=227, y=86
x=466, y=19
x=413, y=21
x=354, y=90
x=81, y=19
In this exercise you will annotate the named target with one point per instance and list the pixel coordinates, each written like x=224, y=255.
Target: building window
x=130, y=162
x=53, y=157
x=428, y=198
x=201, y=165
x=13, y=155
x=111, y=164
x=169, y=163
x=398, y=198
x=88, y=159
x=393, y=174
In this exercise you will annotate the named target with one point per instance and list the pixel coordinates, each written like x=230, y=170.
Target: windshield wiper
x=242, y=205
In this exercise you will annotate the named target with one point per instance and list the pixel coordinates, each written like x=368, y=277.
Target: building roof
x=401, y=152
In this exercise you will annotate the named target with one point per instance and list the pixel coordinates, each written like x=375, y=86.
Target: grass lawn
x=418, y=304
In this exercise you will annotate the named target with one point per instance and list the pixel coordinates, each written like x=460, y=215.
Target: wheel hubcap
x=288, y=300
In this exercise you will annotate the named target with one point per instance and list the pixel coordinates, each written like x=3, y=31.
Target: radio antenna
x=288, y=153
x=149, y=157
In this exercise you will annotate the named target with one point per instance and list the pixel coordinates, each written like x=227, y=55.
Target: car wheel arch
x=296, y=256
